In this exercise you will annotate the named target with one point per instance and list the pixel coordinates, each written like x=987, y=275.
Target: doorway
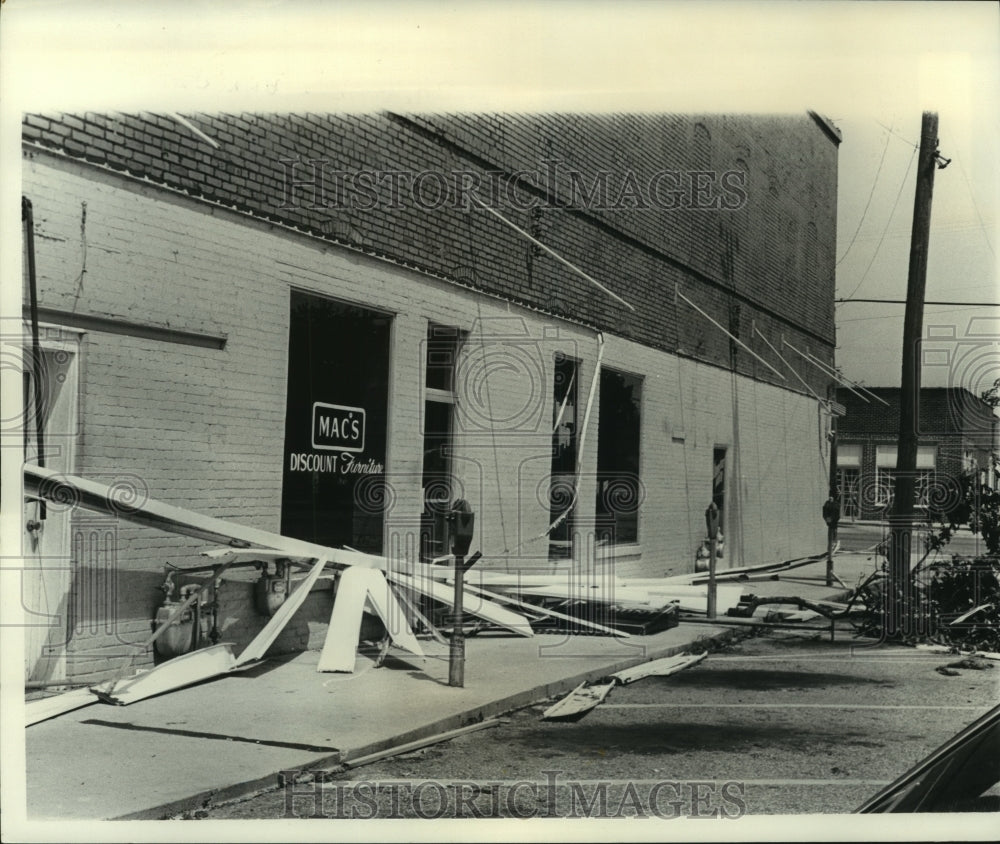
x=719, y=485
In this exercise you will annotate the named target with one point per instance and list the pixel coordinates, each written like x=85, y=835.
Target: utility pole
x=899, y=603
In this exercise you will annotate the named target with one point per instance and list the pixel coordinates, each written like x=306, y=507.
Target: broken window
x=618, y=438
x=719, y=485
x=562, y=480
x=441, y=349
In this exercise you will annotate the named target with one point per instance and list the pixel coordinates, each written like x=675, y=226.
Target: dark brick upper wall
x=770, y=249
x=950, y=411
x=768, y=264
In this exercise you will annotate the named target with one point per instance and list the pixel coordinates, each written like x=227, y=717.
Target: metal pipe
x=215, y=633
x=196, y=633
x=28, y=218
x=50, y=684
x=749, y=622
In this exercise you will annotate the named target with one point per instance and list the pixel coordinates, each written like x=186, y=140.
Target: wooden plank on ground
x=176, y=673
x=49, y=707
x=480, y=608
x=800, y=615
x=508, y=599
x=658, y=668
x=512, y=580
x=695, y=578
x=688, y=598
x=578, y=702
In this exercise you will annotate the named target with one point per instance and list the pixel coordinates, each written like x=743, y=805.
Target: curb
x=519, y=700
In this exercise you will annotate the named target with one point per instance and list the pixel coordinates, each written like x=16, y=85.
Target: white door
x=48, y=569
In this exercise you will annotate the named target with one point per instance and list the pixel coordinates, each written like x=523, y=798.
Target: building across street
x=957, y=433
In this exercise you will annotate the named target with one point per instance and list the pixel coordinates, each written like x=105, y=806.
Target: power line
x=972, y=196
x=898, y=316
x=871, y=193
x=899, y=193
x=889, y=130
x=945, y=228
x=903, y=302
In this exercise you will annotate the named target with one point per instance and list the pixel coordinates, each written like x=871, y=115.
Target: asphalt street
x=861, y=536
x=785, y=723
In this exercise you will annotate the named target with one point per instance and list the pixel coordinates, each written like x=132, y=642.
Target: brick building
x=305, y=323
x=957, y=432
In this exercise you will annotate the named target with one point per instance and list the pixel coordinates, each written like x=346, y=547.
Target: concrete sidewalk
x=230, y=736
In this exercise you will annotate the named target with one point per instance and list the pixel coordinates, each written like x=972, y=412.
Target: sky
x=870, y=67
x=877, y=178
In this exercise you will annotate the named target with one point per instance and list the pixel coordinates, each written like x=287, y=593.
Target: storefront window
x=885, y=475
x=335, y=423
x=619, y=490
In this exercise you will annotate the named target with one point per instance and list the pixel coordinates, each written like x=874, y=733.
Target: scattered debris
x=475, y=606
x=578, y=702
x=48, y=484
x=952, y=649
x=416, y=614
x=548, y=612
x=176, y=673
x=745, y=573
x=624, y=596
x=557, y=600
x=356, y=589
x=830, y=610
x=973, y=662
x=586, y=697
x=974, y=611
x=658, y=668
x=49, y=707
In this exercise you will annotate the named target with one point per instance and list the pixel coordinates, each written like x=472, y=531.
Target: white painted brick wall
x=204, y=428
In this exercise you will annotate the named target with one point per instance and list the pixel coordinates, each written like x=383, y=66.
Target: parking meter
x=462, y=521
x=831, y=512
x=831, y=515
x=712, y=523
